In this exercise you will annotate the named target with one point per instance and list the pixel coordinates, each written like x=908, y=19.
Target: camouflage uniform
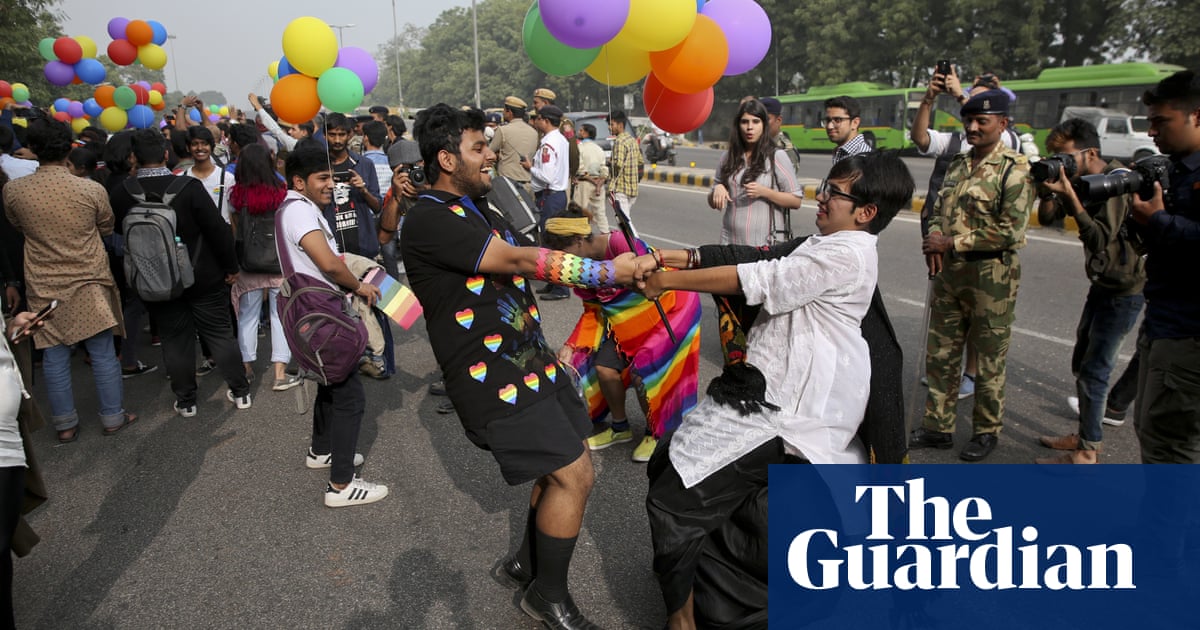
x=975, y=295
x=784, y=141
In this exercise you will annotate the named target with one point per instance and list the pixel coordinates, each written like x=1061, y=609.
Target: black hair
x=880, y=178
x=243, y=135
x=309, y=156
x=50, y=139
x=149, y=147
x=338, y=120
x=396, y=123
x=200, y=132
x=85, y=159
x=6, y=139
x=117, y=151
x=518, y=112
x=762, y=152
x=1180, y=90
x=179, y=140
x=590, y=129
x=256, y=168
x=560, y=241
x=1078, y=131
x=95, y=137
x=618, y=116
x=848, y=103
x=375, y=132
x=440, y=128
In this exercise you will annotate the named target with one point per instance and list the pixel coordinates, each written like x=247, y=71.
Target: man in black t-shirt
x=512, y=395
x=356, y=198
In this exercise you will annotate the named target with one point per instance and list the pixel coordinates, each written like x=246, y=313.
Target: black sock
x=525, y=554
x=553, y=563
x=618, y=426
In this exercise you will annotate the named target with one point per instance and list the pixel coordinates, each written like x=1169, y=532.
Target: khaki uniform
x=784, y=142
x=513, y=140
x=985, y=210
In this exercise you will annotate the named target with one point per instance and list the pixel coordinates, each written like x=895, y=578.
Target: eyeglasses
x=827, y=190
x=835, y=120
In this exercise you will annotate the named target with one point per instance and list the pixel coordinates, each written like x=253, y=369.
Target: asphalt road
x=214, y=521
x=812, y=165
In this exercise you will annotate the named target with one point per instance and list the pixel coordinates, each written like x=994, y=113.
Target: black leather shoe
x=511, y=573
x=980, y=446
x=438, y=388
x=562, y=615
x=556, y=295
x=924, y=438
x=548, y=288
x=445, y=407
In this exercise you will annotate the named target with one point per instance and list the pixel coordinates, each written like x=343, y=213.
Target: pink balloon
x=747, y=29
x=584, y=24
x=361, y=63
x=674, y=112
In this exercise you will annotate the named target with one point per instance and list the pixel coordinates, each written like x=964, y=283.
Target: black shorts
x=607, y=355
x=539, y=439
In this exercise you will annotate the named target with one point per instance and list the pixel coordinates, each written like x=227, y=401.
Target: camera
x=1139, y=179
x=1054, y=168
x=416, y=174
x=988, y=80
x=341, y=177
x=943, y=67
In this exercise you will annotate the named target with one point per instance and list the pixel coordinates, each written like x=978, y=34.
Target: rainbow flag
x=397, y=300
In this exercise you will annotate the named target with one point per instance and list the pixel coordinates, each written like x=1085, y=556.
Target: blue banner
x=984, y=546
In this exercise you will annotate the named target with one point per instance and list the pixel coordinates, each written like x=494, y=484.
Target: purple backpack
x=326, y=336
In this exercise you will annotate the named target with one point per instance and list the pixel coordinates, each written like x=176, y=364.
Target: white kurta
x=808, y=343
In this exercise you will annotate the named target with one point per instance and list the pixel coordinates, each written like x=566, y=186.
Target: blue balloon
x=90, y=71
x=92, y=108
x=61, y=104
x=285, y=68
x=194, y=114
x=160, y=32
x=141, y=116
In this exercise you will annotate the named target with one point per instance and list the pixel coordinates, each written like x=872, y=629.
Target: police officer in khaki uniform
x=975, y=230
x=513, y=141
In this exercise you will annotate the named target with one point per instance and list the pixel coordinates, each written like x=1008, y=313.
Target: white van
x=1120, y=135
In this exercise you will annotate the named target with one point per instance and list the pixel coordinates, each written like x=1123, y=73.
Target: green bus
x=888, y=112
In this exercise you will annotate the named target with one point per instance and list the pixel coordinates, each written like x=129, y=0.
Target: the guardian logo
x=944, y=546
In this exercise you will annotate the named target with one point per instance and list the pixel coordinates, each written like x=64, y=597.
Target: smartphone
x=41, y=315
x=943, y=67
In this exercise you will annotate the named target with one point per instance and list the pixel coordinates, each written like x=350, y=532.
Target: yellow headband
x=569, y=227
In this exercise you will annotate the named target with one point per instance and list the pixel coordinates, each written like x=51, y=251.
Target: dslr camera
x=1054, y=168
x=416, y=174
x=1140, y=179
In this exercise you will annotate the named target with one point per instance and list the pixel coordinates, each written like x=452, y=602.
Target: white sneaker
x=314, y=461
x=186, y=412
x=1073, y=403
x=357, y=492
x=242, y=402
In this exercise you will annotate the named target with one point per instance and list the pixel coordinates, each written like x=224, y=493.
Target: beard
x=470, y=181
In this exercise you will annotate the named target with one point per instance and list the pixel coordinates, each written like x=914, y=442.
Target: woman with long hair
x=755, y=184
x=258, y=190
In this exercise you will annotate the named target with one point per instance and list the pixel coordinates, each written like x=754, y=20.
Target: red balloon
x=5, y=89
x=159, y=86
x=68, y=50
x=122, y=52
x=62, y=116
x=143, y=95
x=674, y=112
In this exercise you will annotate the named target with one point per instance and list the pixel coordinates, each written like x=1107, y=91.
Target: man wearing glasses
x=841, y=125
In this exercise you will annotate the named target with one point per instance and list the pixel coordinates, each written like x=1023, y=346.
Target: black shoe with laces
x=980, y=446
x=562, y=615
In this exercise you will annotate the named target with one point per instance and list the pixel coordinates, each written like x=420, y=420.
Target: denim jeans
x=1102, y=327
x=106, y=370
x=249, y=310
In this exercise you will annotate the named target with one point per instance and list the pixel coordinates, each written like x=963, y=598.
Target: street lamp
x=396, y=40
x=174, y=63
x=475, y=28
x=340, y=28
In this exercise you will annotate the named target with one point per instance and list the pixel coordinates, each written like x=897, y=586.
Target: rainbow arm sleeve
x=562, y=268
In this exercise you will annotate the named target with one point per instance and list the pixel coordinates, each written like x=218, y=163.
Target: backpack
x=157, y=265
x=326, y=336
x=255, y=243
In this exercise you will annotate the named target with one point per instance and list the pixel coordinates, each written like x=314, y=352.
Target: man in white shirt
x=589, y=184
x=550, y=175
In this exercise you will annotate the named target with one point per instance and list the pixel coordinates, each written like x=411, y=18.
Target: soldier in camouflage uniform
x=975, y=230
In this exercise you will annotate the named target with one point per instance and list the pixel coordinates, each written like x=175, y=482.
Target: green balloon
x=125, y=97
x=46, y=47
x=340, y=90
x=20, y=94
x=550, y=55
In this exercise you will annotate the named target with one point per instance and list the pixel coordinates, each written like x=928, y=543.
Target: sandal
x=69, y=435
x=129, y=419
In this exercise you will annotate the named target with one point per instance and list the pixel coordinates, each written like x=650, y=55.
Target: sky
x=228, y=50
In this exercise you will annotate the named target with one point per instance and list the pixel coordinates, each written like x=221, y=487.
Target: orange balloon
x=695, y=63
x=104, y=96
x=4, y=101
x=160, y=106
x=295, y=99
x=139, y=32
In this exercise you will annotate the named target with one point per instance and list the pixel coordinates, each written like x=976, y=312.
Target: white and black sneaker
x=187, y=412
x=242, y=402
x=312, y=460
x=357, y=492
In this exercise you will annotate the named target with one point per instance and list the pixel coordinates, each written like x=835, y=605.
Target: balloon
x=161, y=105
x=697, y=62
x=139, y=33
x=619, y=63
x=340, y=90
x=79, y=124
x=59, y=73
x=547, y=53
x=113, y=119
x=75, y=109
x=124, y=97
x=5, y=89
x=46, y=48
x=62, y=117
x=194, y=114
x=584, y=24
x=61, y=104
x=20, y=92
x=295, y=99
x=674, y=112
x=159, y=36
x=152, y=56
x=68, y=50
x=141, y=116
x=5, y=101
x=156, y=98
x=88, y=45
x=92, y=107
x=159, y=86
x=145, y=84
x=224, y=111
x=142, y=94
x=214, y=109
x=310, y=45
x=116, y=27
x=285, y=68
x=658, y=24
x=121, y=52
x=90, y=71
x=273, y=69
x=214, y=118
x=361, y=63
x=104, y=96
x=747, y=29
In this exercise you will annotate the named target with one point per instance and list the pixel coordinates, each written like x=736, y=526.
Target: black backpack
x=255, y=243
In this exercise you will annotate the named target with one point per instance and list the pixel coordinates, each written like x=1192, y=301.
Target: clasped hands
x=639, y=272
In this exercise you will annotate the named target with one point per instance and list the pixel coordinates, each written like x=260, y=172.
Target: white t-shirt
x=550, y=165
x=299, y=216
x=216, y=189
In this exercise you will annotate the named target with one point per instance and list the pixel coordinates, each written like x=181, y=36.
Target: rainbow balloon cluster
x=14, y=93
x=72, y=112
x=137, y=40
x=127, y=105
x=680, y=47
x=314, y=73
x=71, y=60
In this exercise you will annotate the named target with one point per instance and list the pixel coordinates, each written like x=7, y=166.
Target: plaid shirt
x=857, y=144
x=626, y=158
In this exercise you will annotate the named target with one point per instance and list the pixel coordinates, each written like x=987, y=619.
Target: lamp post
x=340, y=28
x=475, y=27
x=174, y=63
x=396, y=41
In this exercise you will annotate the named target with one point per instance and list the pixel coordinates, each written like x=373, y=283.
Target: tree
x=1160, y=30
x=23, y=23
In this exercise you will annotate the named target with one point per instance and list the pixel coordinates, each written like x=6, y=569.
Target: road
x=812, y=165
x=215, y=522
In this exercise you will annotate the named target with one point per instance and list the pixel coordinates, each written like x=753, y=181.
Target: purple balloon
x=59, y=73
x=75, y=109
x=584, y=24
x=747, y=29
x=116, y=27
x=214, y=118
x=145, y=84
x=358, y=61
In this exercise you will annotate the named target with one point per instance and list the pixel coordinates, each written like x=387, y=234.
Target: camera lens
x=1097, y=188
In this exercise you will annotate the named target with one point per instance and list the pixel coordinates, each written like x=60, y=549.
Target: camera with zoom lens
x=1054, y=168
x=416, y=174
x=1139, y=179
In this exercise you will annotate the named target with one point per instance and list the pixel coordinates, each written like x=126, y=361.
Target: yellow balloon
x=152, y=56
x=310, y=45
x=620, y=63
x=88, y=44
x=224, y=111
x=657, y=24
x=273, y=69
x=155, y=97
x=113, y=119
x=79, y=124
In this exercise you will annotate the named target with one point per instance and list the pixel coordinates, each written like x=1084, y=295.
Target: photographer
x=1167, y=415
x=1114, y=267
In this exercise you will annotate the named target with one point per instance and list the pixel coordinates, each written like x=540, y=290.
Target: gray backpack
x=157, y=265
